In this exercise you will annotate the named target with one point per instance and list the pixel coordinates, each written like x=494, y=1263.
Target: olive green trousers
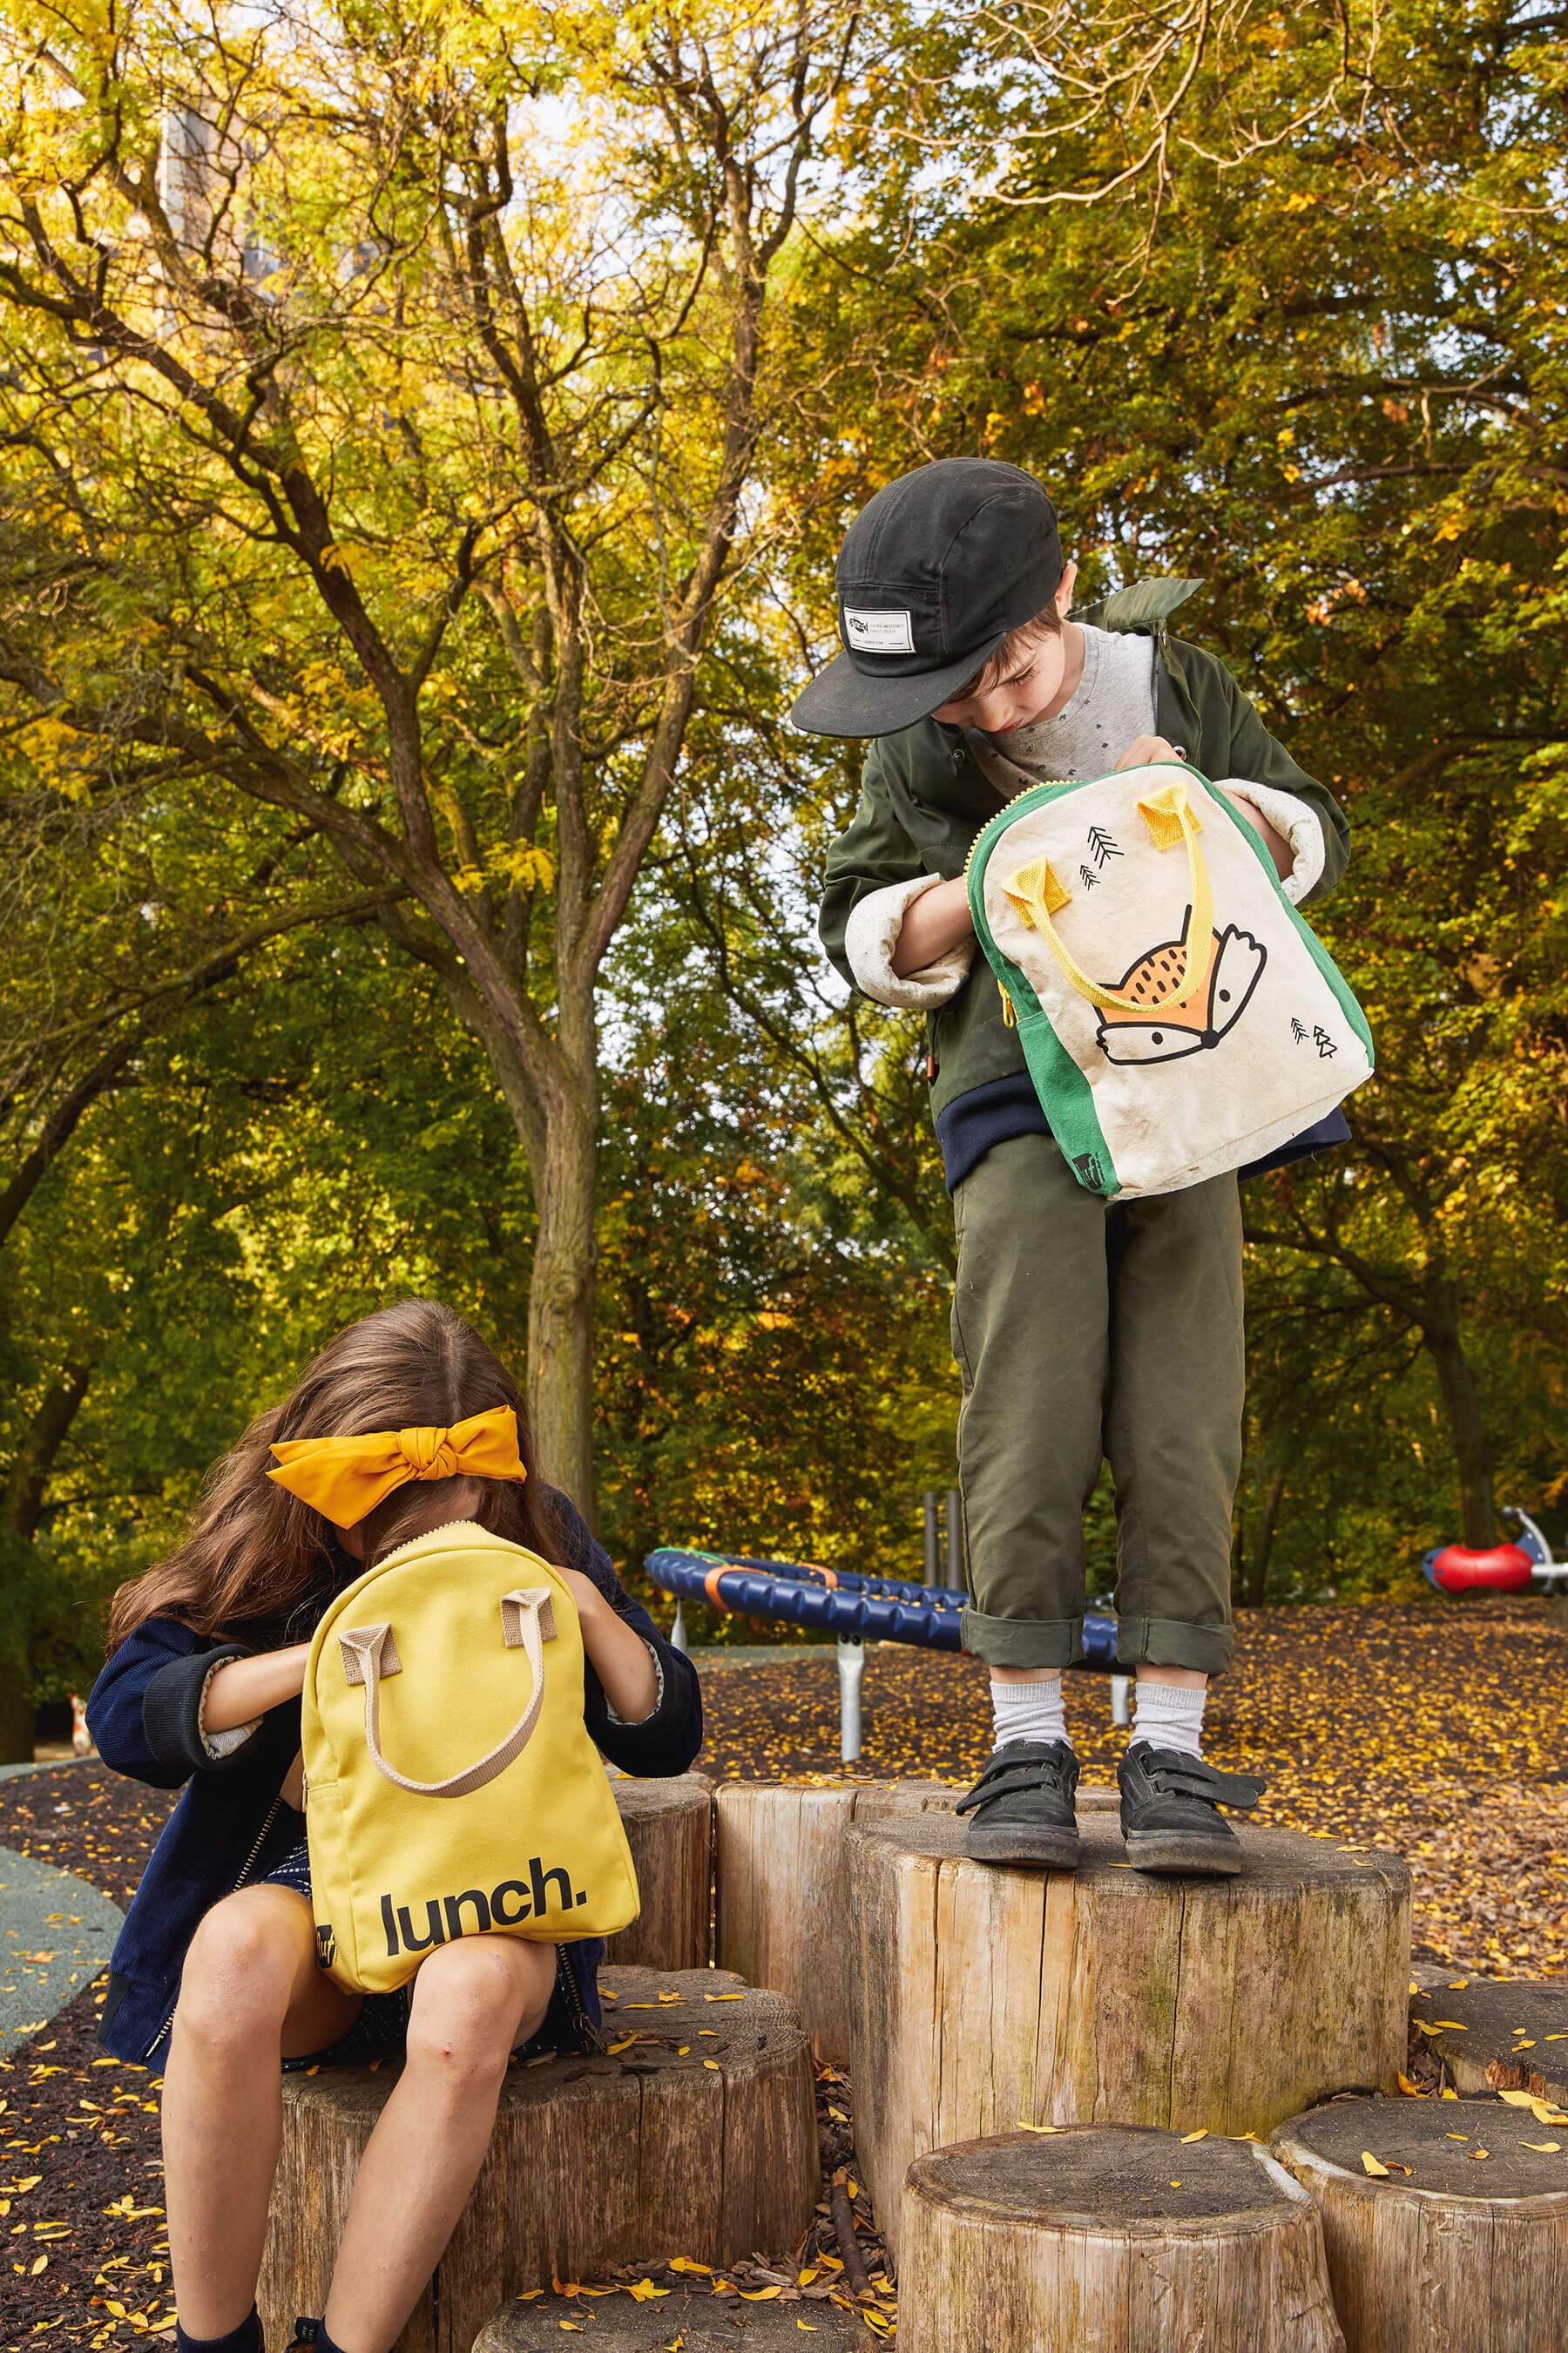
x=1088, y=1330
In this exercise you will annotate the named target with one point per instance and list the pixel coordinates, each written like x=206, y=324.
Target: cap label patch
x=879, y=633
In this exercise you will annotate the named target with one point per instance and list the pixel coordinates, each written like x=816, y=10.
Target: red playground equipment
x=1455, y=1568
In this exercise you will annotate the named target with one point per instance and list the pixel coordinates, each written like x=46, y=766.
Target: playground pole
x=851, y=1667
x=954, y=1538
x=933, y=1551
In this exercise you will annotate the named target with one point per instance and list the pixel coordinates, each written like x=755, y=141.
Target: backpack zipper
x=1009, y=1012
x=244, y=1870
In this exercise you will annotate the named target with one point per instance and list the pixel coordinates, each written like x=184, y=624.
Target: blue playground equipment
x=855, y=1608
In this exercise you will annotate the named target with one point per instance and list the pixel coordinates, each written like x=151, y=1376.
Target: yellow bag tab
x=452, y=1787
x=1037, y=889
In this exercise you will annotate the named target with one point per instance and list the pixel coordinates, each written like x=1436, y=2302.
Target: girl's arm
x=145, y=1712
x=648, y=1745
x=617, y=1652
x=246, y=1688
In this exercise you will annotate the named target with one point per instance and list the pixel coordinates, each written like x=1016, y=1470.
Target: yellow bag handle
x=1037, y=892
x=369, y=1654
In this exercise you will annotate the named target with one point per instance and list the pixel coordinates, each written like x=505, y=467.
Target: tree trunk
x=1462, y=2239
x=782, y=1858
x=1255, y=1589
x=1109, y=2239
x=561, y=1300
x=694, y=2134
x=984, y=1998
x=1462, y=1405
x=21, y=1508
x=669, y=1829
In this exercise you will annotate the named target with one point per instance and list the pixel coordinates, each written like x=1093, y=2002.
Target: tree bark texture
x=1460, y=2245
x=783, y=1917
x=984, y=1998
x=644, y=2152
x=669, y=1829
x=1111, y=2239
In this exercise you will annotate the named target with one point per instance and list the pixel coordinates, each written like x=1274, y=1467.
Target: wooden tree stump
x=696, y=2323
x=985, y=1997
x=1111, y=2239
x=669, y=1829
x=1496, y=2035
x=1463, y=2252
x=783, y=1905
x=647, y=2152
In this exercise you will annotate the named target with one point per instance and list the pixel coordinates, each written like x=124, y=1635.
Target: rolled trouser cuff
x=1023, y=1641
x=1169, y=1643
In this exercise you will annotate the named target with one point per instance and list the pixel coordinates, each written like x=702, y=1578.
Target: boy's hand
x=1146, y=752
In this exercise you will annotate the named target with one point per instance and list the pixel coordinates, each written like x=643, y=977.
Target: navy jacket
x=145, y=1715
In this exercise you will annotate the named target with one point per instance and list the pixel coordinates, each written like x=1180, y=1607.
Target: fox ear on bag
x=451, y=1785
x=1178, y=1015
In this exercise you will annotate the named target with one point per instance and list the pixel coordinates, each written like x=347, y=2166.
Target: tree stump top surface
x=669, y=2021
x=676, y=1793
x=1504, y=2030
x=1117, y=2176
x=1438, y=2139
x=699, y=2323
x=1278, y=1860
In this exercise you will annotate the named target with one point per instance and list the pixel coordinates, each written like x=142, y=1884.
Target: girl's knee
x=472, y=2001
x=239, y=1972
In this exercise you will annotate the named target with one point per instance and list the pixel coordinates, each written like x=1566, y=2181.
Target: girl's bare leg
x=251, y=1991
x=472, y=2002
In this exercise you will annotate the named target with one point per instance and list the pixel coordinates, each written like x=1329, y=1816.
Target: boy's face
x=1027, y=688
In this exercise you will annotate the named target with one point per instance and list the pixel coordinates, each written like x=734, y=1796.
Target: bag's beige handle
x=370, y=1654
x=1036, y=893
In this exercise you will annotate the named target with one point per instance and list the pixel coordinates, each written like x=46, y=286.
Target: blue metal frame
x=874, y=1609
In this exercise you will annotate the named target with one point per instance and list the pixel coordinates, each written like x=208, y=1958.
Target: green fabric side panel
x=1066, y=1096
x=1067, y=1101
x=1313, y=945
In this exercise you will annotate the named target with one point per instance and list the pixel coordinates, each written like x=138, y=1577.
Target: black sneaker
x=1170, y=1817
x=1023, y=1806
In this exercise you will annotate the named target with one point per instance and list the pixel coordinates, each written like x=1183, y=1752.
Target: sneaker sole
x=1182, y=1854
x=1047, y=1849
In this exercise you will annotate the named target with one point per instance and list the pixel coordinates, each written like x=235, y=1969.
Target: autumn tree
x=382, y=405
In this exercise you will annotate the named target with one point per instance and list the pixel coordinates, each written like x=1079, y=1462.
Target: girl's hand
x=620, y=1656
x=1147, y=752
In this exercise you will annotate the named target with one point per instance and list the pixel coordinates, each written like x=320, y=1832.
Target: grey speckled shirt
x=1112, y=702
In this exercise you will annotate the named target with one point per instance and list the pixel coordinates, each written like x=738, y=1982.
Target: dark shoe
x=1170, y=1817
x=1023, y=1806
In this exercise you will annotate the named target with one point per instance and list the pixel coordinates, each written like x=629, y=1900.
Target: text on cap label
x=879, y=633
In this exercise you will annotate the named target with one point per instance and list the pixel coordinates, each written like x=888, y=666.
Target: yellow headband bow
x=345, y=1478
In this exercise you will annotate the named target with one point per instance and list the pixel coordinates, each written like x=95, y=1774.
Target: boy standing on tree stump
x=1082, y=1328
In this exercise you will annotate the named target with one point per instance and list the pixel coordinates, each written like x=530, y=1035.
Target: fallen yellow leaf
x=760, y=2294
x=643, y=2291
x=1188, y=2139
x=1547, y=2148
x=626, y=2042
x=1022, y=2126
x=1368, y=2164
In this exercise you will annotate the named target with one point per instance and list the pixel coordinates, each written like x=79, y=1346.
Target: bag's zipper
x=1009, y=1012
x=245, y=1869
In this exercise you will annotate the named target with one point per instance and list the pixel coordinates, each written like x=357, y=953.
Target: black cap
x=933, y=574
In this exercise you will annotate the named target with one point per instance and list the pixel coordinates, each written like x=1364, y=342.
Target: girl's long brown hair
x=254, y=1554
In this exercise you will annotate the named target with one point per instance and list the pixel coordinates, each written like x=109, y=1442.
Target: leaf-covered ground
x=1438, y=1729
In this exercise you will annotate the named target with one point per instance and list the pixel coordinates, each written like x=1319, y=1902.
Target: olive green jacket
x=923, y=798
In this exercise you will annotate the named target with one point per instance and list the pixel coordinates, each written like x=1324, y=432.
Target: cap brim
x=844, y=700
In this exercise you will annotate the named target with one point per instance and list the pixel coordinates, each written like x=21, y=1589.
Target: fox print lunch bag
x=450, y=1784
x=1178, y=1015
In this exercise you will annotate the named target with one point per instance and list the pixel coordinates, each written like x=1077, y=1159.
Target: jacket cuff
x=172, y=1712
x=1297, y=822
x=871, y=935
x=220, y=1745
x=657, y=1692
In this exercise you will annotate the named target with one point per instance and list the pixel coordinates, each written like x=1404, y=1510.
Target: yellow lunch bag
x=451, y=1785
